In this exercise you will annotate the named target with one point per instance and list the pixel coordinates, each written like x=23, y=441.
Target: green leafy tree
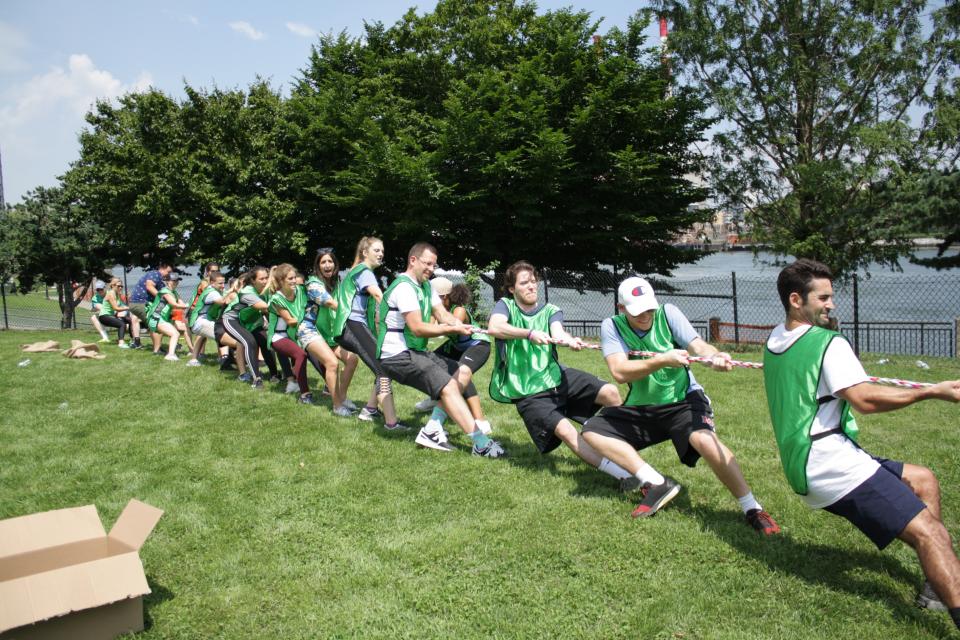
x=57, y=244
x=497, y=133
x=821, y=103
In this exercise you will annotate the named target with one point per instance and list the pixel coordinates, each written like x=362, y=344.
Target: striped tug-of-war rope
x=896, y=382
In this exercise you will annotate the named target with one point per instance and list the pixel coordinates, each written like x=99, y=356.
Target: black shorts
x=882, y=505
x=357, y=338
x=574, y=399
x=424, y=371
x=473, y=358
x=218, y=331
x=645, y=426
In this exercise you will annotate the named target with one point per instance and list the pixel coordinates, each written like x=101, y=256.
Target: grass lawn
x=285, y=522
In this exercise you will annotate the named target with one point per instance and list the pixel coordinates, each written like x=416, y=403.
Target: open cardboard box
x=63, y=576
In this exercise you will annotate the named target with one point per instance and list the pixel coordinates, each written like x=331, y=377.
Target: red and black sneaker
x=655, y=496
x=762, y=522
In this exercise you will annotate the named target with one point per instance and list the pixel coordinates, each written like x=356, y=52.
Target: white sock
x=749, y=503
x=432, y=426
x=612, y=468
x=646, y=473
x=484, y=425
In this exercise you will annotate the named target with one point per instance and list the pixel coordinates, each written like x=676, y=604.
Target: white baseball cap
x=636, y=295
x=99, y=285
x=441, y=285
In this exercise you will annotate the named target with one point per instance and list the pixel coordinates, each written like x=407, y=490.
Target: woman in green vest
x=96, y=301
x=286, y=308
x=357, y=298
x=160, y=311
x=243, y=321
x=315, y=332
x=112, y=307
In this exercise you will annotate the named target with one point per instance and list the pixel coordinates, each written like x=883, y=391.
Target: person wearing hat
x=527, y=372
x=470, y=351
x=664, y=402
x=144, y=293
x=96, y=302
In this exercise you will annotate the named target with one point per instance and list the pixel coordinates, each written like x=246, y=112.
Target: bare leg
x=929, y=538
x=612, y=449
x=721, y=461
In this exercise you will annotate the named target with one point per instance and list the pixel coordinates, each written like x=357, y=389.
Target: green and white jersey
x=804, y=369
x=241, y=308
x=160, y=310
x=95, y=302
x=277, y=327
x=664, y=386
x=205, y=307
x=520, y=367
x=401, y=297
x=353, y=302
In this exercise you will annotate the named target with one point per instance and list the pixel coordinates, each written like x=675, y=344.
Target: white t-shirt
x=403, y=299
x=836, y=466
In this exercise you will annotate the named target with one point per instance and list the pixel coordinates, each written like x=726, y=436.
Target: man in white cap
x=664, y=401
x=96, y=302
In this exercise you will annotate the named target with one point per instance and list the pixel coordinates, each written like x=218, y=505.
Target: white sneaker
x=123, y=345
x=193, y=362
x=425, y=406
x=172, y=357
x=431, y=437
x=484, y=427
x=292, y=387
x=343, y=412
x=369, y=416
x=348, y=403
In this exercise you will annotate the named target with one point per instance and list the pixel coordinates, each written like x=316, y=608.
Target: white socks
x=612, y=468
x=646, y=473
x=749, y=503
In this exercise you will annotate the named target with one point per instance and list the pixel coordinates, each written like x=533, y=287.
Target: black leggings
x=120, y=324
x=357, y=338
x=250, y=342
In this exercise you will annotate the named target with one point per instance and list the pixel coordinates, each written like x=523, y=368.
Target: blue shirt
x=140, y=294
x=316, y=295
x=683, y=334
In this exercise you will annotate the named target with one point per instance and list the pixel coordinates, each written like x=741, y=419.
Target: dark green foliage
x=490, y=130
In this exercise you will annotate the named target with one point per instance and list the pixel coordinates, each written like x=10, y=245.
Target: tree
x=499, y=134
x=933, y=204
x=56, y=244
x=822, y=102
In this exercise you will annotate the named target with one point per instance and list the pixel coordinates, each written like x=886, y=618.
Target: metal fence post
x=3, y=292
x=956, y=337
x=546, y=289
x=736, y=312
x=856, y=315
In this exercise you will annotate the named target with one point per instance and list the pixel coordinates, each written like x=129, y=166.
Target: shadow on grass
x=834, y=567
x=158, y=595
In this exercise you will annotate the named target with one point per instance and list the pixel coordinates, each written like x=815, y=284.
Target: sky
x=58, y=57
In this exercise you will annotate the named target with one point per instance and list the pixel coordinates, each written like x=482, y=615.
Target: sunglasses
x=323, y=250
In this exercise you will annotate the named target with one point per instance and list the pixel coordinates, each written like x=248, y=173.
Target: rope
x=895, y=382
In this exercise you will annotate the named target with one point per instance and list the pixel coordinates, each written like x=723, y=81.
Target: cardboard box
x=63, y=576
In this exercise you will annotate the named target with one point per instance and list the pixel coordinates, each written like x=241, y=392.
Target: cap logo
x=637, y=291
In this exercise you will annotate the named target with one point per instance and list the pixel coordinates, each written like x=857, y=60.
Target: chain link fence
x=897, y=314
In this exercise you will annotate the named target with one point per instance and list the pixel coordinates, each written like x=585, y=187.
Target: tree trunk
x=67, y=303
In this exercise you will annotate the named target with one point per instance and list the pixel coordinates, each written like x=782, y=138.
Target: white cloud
x=301, y=29
x=40, y=119
x=12, y=45
x=72, y=91
x=247, y=29
x=183, y=17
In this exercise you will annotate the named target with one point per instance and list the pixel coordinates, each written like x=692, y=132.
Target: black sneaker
x=762, y=522
x=655, y=496
x=306, y=398
x=928, y=599
x=257, y=383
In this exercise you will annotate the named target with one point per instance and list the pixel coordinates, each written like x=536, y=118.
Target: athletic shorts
x=178, y=315
x=139, y=310
x=358, y=339
x=307, y=334
x=473, y=357
x=574, y=399
x=203, y=327
x=424, y=371
x=218, y=331
x=645, y=426
x=882, y=505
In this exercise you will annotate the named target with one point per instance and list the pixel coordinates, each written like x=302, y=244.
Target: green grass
x=282, y=521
